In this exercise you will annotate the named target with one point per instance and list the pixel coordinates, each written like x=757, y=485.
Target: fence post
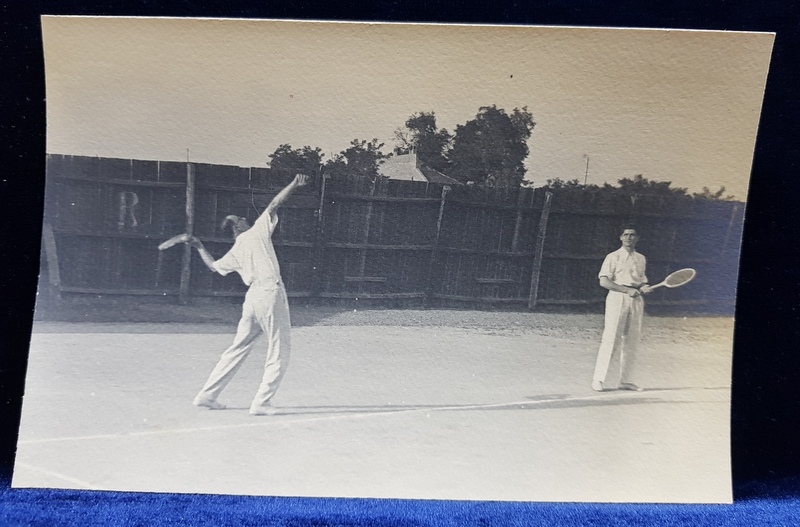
x=186, y=270
x=319, y=239
x=428, y=281
x=538, y=250
x=734, y=213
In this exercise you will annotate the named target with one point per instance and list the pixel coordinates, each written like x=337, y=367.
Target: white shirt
x=624, y=268
x=252, y=254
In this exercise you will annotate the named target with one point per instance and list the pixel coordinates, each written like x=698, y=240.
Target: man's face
x=629, y=238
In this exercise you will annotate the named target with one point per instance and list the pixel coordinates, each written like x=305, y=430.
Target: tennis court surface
x=386, y=403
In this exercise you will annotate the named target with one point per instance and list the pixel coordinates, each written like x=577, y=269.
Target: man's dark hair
x=628, y=225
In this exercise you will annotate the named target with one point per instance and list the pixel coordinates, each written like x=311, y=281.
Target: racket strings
x=679, y=278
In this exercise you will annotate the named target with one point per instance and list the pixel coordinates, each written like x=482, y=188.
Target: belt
x=623, y=293
x=267, y=283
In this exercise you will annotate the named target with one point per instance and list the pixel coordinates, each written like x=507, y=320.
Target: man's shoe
x=263, y=410
x=629, y=386
x=208, y=403
x=597, y=386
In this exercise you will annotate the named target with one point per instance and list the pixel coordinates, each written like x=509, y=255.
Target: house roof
x=406, y=167
x=402, y=166
x=434, y=176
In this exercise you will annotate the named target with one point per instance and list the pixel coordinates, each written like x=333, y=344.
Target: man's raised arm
x=299, y=180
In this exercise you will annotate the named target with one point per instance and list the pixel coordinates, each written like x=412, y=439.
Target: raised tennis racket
x=677, y=279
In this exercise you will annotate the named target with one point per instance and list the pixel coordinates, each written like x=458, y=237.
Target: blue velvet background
x=765, y=414
x=757, y=504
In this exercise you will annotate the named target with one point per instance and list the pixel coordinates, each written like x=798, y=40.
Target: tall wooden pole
x=538, y=251
x=186, y=269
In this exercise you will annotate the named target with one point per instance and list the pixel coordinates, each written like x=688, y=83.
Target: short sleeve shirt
x=253, y=255
x=624, y=268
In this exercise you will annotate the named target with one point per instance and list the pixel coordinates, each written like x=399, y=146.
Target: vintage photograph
x=417, y=261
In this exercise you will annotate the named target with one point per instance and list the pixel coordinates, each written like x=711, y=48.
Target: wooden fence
x=385, y=242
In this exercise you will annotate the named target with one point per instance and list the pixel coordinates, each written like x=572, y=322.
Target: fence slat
x=51, y=255
x=436, y=236
x=318, y=254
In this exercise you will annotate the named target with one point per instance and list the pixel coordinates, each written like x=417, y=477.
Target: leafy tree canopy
x=287, y=161
x=638, y=186
x=559, y=183
x=361, y=158
x=642, y=186
x=491, y=149
x=708, y=194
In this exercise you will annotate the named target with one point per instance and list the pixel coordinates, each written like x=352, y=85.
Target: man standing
x=623, y=274
x=265, y=309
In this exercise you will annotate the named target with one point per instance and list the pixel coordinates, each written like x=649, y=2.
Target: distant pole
x=586, y=175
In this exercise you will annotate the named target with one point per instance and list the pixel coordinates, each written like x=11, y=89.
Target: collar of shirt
x=625, y=254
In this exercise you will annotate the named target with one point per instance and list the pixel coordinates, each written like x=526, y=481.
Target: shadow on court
x=549, y=403
x=133, y=310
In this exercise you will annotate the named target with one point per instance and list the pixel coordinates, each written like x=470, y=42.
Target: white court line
x=269, y=421
x=47, y=472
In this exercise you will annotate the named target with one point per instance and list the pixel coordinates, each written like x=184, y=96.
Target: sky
x=672, y=105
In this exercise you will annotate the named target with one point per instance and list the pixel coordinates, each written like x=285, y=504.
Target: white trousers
x=621, y=334
x=265, y=310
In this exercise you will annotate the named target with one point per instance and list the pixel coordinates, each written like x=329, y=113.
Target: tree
x=288, y=162
x=491, y=149
x=636, y=187
x=421, y=135
x=641, y=186
x=707, y=194
x=362, y=158
x=558, y=183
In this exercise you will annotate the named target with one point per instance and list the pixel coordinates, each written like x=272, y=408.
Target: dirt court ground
x=431, y=404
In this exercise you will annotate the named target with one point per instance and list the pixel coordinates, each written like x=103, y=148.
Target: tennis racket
x=677, y=279
x=175, y=240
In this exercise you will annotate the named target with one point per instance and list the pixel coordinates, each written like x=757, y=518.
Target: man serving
x=265, y=309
